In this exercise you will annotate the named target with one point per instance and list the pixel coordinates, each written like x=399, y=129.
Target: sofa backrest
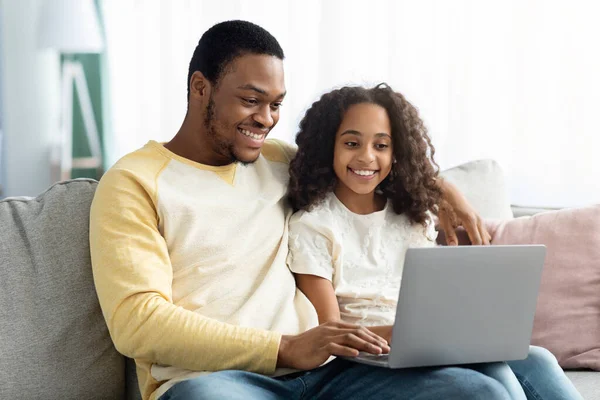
x=482, y=182
x=54, y=343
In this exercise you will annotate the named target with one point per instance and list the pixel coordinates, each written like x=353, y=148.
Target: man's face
x=244, y=106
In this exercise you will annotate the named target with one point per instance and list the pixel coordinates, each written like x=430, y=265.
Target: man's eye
x=276, y=106
x=251, y=101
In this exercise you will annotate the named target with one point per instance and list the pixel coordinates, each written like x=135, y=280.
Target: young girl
x=364, y=186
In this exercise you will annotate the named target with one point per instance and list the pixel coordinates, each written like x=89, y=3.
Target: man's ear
x=199, y=86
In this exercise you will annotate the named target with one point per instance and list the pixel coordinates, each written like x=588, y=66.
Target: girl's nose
x=366, y=155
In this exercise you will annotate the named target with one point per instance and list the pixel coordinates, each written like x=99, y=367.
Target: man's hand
x=312, y=348
x=457, y=211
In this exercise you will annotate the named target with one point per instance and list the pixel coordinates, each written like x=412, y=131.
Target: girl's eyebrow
x=351, y=132
x=357, y=133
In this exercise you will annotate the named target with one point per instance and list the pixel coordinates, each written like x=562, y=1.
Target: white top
x=362, y=255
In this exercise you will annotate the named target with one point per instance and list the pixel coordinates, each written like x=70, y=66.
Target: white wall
x=512, y=80
x=31, y=95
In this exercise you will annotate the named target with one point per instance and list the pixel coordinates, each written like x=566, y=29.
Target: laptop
x=463, y=305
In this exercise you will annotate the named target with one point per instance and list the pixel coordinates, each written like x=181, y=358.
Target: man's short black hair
x=227, y=40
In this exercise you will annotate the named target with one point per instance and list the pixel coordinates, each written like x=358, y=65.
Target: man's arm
x=133, y=276
x=456, y=212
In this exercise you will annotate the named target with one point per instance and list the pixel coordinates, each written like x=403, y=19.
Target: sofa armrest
x=520, y=211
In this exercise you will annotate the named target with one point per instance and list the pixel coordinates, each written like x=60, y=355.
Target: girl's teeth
x=363, y=173
x=250, y=134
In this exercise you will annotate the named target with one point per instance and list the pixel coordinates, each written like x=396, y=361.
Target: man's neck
x=191, y=142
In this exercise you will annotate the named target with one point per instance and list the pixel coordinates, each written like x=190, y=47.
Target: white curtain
x=513, y=80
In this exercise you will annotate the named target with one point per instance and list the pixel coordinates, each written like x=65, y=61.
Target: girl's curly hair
x=411, y=184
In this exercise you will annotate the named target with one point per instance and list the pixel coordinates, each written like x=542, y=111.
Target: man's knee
x=197, y=388
x=215, y=386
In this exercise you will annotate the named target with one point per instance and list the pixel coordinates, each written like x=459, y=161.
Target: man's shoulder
x=148, y=157
x=142, y=165
x=277, y=150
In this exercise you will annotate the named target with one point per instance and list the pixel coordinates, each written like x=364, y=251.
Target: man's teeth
x=363, y=172
x=252, y=135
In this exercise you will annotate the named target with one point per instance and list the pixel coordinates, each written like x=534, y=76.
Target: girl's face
x=363, y=155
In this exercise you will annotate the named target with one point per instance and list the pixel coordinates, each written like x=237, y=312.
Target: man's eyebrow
x=258, y=90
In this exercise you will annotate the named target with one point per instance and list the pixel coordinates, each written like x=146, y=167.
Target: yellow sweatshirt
x=189, y=263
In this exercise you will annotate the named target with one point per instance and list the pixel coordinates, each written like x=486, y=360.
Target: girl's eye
x=381, y=146
x=351, y=144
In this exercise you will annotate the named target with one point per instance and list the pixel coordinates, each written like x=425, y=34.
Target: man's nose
x=264, y=117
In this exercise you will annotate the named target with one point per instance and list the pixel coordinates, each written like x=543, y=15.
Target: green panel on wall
x=91, y=67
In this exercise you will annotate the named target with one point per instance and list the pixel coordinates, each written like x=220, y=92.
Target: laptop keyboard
x=375, y=357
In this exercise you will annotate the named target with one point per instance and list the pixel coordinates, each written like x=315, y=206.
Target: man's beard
x=219, y=144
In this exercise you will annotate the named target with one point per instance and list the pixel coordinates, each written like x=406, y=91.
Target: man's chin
x=247, y=157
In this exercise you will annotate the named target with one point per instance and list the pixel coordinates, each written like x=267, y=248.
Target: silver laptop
x=462, y=305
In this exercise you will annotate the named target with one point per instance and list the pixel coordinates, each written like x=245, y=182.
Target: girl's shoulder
x=402, y=223
x=391, y=215
x=321, y=213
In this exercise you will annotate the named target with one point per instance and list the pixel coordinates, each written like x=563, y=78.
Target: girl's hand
x=384, y=331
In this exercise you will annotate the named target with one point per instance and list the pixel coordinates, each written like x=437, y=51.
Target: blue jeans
x=538, y=377
x=542, y=378
x=341, y=379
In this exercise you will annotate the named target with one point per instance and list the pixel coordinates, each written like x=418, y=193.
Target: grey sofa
x=54, y=343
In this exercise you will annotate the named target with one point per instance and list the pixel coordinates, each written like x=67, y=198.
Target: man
x=189, y=241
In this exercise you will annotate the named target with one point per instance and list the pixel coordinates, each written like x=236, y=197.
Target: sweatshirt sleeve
x=133, y=277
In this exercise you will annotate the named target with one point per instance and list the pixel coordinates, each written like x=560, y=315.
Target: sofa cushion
x=482, y=183
x=587, y=383
x=54, y=341
x=567, y=319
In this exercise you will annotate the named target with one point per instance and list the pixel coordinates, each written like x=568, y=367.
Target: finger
x=342, y=328
x=366, y=335
x=335, y=349
x=342, y=324
x=446, y=225
x=470, y=225
x=485, y=236
x=355, y=342
x=374, y=338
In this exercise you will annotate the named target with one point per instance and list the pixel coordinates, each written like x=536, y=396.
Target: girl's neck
x=360, y=203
